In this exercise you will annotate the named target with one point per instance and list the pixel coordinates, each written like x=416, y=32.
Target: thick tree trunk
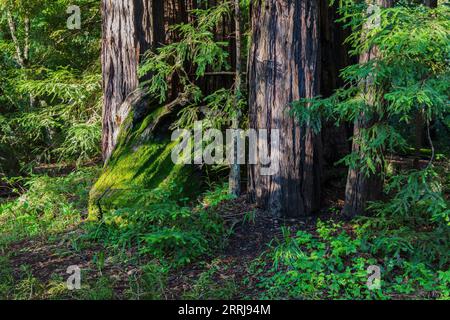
x=129, y=29
x=284, y=67
x=362, y=188
x=334, y=57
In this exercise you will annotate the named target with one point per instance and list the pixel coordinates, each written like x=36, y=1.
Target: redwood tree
x=130, y=27
x=284, y=66
x=362, y=187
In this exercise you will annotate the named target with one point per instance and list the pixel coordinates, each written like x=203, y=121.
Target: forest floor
x=46, y=258
x=241, y=268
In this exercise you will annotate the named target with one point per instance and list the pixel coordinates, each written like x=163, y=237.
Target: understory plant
x=174, y=232
x=334, y=263
x=46, y=205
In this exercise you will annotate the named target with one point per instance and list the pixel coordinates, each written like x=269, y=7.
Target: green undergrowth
x=163, y=228
x=23, y=285
x=212, y=284
x=333, y=263
x=161, y=235
x=406, y=237
x=47, y=205
x=157, y=233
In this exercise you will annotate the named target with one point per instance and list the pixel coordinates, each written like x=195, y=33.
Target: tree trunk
x=22, y=55
x=129, y=29
x=362, y=188
x=419, y=120
x=13, y=30
x=235, y=170
x=284, y=67
x=431, y=3
x=334, y=57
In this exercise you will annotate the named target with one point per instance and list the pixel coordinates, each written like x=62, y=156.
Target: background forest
x=358, y=89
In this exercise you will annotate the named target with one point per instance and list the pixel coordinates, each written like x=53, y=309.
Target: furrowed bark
x=120, y=58
x=235, y=170
x=128, y=31
x=284, y=67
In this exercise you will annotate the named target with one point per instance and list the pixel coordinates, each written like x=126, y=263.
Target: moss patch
x=141, y=162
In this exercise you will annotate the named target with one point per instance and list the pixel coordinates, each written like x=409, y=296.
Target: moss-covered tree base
x=140, y=163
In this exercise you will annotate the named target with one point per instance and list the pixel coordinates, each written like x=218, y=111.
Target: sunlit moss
x=141, y=162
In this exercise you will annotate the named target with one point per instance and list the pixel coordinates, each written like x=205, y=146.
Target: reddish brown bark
x=130, y=28
x=284, y=67
x=128, y=31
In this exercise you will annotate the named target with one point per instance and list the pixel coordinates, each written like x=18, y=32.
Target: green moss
x=140, y=163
